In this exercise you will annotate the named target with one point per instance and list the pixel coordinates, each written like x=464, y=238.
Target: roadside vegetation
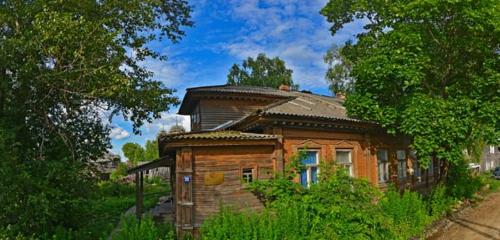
x=105, y=209
x=341, y=207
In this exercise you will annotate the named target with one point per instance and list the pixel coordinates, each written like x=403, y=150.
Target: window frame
x=243, y=175
x=402, y=161
x=309, y=167
x=385, y=165
x=350, y=164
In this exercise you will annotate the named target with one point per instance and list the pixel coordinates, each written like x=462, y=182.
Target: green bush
x=144, y=229
x=154, y=180
x=488, y=181
x=408, y=212
x=460, y=183
x=439, y=202
x=119, y=172
x=338, y=207
x=110, y=188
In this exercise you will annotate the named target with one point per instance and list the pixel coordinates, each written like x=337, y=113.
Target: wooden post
x=278, y=151
x=184, y=192
x=138, y=194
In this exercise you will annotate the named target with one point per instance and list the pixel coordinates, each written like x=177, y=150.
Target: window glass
x=309, y=175
x=401, y=156
x=383, y=165
x=344, y=158
x=247, y=175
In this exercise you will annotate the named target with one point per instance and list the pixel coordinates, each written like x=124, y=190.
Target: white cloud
x=291, y=30
x=118, y=133
x=166, y=121
x=169, y=72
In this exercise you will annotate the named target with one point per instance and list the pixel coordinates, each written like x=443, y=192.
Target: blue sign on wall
x=187, y=179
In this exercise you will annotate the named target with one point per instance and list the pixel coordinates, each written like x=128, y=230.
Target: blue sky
x=226, y=32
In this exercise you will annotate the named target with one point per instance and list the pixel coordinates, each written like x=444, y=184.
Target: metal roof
x=241, y=89
x=310, y=105
x=212, y=135
x=229, y=90
x=287, y=103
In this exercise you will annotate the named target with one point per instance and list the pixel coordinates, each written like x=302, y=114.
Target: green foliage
x=282, y=186
x=420, y=71
x=36, y=196
x=338, y=207
x=119, y=172
x=461, y=184
x=440, y=202
x=339, y=70
x=133, y=152
x=64, y=63
x=144, y=229
x=408, y=212
x=262, y=72
x=151, y=151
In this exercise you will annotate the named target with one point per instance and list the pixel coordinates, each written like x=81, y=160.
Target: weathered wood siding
x=228, y=161
x=216, y=112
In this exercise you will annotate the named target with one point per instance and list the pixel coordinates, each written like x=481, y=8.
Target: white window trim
x=309, y=166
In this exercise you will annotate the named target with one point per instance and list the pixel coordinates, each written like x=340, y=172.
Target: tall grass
x=144, y=229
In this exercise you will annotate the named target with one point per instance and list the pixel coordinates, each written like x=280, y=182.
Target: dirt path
x=481, y=222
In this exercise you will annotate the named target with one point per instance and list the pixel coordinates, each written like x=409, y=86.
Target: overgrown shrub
x=119, y=172
x=144, y=229
x=460, y=183
x=338, y=207
x=439, y=202
x=489, y=182
x=408, y=212
x=109, y=188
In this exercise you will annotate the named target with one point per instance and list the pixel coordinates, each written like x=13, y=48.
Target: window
x=247, y=175
x=417, y=172
x=310, y=174
x=401, y=156
x=344, y=158
x=383, y=166
x=195, y=117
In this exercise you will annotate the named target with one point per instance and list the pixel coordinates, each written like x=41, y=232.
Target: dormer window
x=195, y=118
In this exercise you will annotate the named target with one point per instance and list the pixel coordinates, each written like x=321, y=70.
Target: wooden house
x=242, y=133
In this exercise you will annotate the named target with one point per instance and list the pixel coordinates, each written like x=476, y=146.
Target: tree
x=63, y=63
x=151, y=151
x=339, y=70
x=261, y=72
x=133, y=152
x=426, y=69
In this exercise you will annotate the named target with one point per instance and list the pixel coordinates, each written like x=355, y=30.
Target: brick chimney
x=340, y=95
x=284, y=87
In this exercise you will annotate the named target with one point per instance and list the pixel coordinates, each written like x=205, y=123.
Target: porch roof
x=164, y=161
